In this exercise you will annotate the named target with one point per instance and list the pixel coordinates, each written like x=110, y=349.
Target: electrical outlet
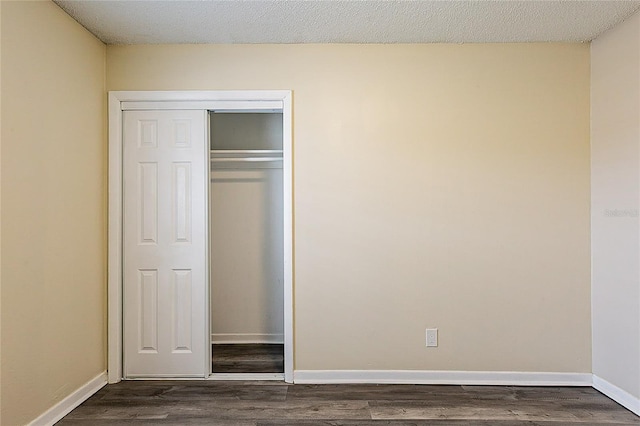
x=432, y=337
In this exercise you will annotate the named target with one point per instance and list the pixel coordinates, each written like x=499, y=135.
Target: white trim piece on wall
x=64, y=407
x=114, y=257
x=620, y=396
x=493, y=378
x=287, y=183
x=222, y=338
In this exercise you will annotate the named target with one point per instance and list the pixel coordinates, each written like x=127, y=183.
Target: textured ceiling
x=335, y=21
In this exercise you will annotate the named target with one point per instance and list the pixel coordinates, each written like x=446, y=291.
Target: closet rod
x=229, y=152
x=224, y=159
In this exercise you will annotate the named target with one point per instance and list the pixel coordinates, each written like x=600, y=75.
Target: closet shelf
x=227, y=158
x=245, y=155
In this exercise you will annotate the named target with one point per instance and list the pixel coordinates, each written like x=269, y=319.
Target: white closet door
x=165, y=241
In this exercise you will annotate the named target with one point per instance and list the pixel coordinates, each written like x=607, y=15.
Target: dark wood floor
x=248, y=358
x=276, y=403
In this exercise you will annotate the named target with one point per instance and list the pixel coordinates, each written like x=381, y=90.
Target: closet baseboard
x=228, y=338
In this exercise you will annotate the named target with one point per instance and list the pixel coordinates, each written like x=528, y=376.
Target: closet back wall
x=434, y=186
x=246, y=233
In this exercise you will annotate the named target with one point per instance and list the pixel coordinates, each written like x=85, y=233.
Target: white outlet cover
x=432, y=337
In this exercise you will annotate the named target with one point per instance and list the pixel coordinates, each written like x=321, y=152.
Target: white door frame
x=205, y=100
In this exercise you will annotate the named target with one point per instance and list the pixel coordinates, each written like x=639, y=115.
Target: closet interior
x=246, y=242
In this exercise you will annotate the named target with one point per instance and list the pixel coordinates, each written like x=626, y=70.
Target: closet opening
x=246, y=242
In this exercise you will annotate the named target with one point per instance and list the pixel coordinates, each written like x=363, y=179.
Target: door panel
x=165, y=243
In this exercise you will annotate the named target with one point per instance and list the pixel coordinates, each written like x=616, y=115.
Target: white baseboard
x=222, y=338
x=620, y=396
x=64, y=407
x=496, y=378
x=246, y=376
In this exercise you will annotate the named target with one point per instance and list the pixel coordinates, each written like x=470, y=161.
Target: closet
x=200, y=235
x=246, y=245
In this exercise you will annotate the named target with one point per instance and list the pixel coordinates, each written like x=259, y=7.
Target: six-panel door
x=165, y=243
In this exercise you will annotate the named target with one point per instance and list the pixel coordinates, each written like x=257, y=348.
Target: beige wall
x=615, y=177
x=435, y=186
x=53, y=210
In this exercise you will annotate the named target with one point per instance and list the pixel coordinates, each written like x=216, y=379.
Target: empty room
x=320, y=212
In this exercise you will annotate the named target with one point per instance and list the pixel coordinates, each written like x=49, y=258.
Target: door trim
x=228, y=100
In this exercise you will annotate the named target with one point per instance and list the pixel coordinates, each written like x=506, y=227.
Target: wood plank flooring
x=248, y=358
x=276, y=403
